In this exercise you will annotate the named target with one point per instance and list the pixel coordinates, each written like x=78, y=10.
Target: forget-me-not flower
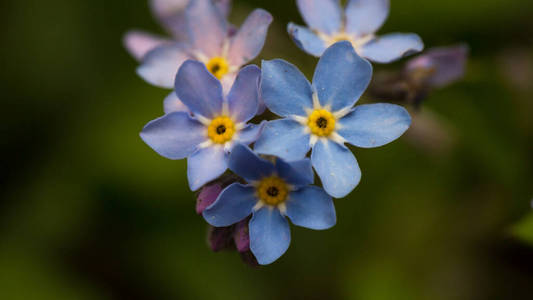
x=171, y=15
x=209, y=41
x=321, y=117
x=273, y=191
x=217, y=123
x=358, y=23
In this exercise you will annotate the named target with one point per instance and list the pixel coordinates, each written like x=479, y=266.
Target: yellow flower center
x=272, y=190
x=218, y=66
x=339, y=37
x=221, y=130
x=321, y=122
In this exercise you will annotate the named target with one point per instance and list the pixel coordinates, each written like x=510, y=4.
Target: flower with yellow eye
x=211, y=40
x=320, y=116
x=215, y=125
x=328, y=24
x=274, y=192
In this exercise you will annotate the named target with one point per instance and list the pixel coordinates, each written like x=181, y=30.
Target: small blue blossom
x=442, y=65
x=171, y=15
x=358, y=23
x=273, y=191
x=216, y=123
x=321, y=117
x=210, y=39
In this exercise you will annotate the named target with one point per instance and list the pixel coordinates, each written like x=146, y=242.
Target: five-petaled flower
x=320, y=116
x=171, y=15
x=273, y=191
x=210, y=41
x=217, y=123
x=358, y=24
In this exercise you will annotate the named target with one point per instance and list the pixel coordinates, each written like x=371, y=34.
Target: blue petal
x=366, y=16
x=174, y=136
x=321, y=15
x=250, y=39
x=285, y=89
x=306, y=40
x=205, y=165
x=248, y=165
x=284, y=138
x=224, y=6
x=312, y=208
x=374, y=125
x=243, y=97
x=160, y=65
x=139, y=43
x=199, y=90
x=297, y=173
x=232, y=205
x=207, y=27
x=173, y=104
x=251, y=133
x=171, y=14
x=391, y=47
x=270, y=235
x=337, y=168
x=341, y=76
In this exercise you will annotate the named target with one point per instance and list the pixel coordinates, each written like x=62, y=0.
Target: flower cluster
x=207, y=115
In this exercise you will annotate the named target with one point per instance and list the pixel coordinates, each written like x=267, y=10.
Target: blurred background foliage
x=88, y=211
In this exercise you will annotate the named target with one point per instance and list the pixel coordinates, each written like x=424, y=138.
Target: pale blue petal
x=250, y=39
x=243, y=98
x=366, y=16
x=139, y=43
x=251, y=133
x=285, y=89
x=174, y=136
x=284, y=138
x=171, y=14
x=199, y=90
x=337, y=168
x=248, y=165
x=374, y=125
x=160, y=65
x=306, y=40
x=297, y=173
x=270, y=235
x=391, y=47
x=173, y=104
x=224, y=6
x=311, y=207
x=341, y=76
x=232, y=205
x=321, y=15
x=205, y=165
x=207, y=27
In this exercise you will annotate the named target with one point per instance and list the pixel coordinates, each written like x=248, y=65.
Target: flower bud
x=207, y=196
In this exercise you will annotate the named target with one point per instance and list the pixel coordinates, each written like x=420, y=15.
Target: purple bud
x=241, y=236
x=220, y=238
x=439, y=66
x=207, y=196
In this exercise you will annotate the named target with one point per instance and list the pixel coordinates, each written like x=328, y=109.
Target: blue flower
x=209, y=39
x=438, y=67
x=171, y=15
x=274, y=191
x=358, y=24
x=320, y=116
x=217, y=123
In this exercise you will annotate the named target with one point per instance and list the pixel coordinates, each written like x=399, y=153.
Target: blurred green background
x=88, y=211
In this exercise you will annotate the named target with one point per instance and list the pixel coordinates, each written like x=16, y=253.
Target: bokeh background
x=88, y=211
